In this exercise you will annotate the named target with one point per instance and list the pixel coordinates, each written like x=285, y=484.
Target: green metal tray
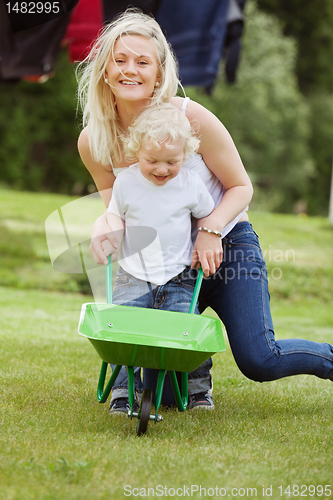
x=166, y=340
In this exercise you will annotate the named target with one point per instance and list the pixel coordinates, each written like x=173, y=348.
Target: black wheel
x=144, y=412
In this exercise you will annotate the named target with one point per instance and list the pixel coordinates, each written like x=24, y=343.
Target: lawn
x=57, y=442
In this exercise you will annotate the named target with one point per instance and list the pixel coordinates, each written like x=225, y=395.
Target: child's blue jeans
x=175, y=295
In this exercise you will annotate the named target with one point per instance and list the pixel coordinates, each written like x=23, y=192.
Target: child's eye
x=171, y=162
x=151, y=161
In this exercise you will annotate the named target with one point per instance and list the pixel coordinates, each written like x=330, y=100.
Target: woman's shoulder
x=194, y=110
x=87, y=156
x=83, y=142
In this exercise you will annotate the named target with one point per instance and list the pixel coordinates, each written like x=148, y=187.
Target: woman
x=131, y=67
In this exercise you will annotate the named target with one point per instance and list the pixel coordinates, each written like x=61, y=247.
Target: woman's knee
x=257, y=370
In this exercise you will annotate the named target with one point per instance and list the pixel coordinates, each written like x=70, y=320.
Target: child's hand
x=103, y=240
x=111, y=244
x=207, y=252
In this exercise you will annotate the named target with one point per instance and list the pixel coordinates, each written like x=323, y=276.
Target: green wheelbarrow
x=164, y=340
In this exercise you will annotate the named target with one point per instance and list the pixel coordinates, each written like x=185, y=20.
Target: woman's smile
x=129, y=82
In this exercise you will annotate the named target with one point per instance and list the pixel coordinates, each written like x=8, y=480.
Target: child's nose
x=162, y=169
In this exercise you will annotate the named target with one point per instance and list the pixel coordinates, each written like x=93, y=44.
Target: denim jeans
x=238, y=293
x=175, y=295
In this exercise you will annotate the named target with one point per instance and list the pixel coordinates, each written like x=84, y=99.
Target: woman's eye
x=143, y=63
x=119, y=61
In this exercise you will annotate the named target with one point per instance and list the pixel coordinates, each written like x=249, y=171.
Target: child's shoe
x=121, y=406
x=201, y=401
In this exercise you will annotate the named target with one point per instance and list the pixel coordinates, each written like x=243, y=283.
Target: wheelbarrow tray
x=165, y=340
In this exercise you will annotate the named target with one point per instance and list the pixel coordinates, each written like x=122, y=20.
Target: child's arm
x=117, y=226
x=115, y=217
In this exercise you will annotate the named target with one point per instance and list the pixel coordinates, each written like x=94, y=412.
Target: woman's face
x=133, y=71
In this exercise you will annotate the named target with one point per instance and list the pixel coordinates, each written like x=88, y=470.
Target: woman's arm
x=104, y=179
x=102, y=175
x=221, y=157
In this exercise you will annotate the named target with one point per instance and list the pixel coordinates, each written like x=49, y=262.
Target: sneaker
x=121, y=406
x=201, y=401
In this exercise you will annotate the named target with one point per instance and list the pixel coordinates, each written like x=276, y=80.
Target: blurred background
x=272, y=88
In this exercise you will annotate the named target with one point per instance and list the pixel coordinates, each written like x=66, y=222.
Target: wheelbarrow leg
x=181, y=399
x=131, y=389
x=159, y=391
x=103, y=394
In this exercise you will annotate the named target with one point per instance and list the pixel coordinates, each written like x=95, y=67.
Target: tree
x=266, y=114
x=310, y=23
x=38, y=133
x=321, y=121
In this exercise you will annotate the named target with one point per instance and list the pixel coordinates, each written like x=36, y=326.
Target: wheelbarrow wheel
x=144, y=413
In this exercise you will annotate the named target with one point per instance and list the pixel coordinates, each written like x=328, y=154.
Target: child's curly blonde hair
x=162, y=123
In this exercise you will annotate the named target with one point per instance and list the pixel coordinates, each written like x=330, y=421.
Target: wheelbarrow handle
x=109, y=298
x=196, y=291
x=195, y=296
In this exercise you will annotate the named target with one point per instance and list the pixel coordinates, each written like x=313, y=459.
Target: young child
x=151, y=208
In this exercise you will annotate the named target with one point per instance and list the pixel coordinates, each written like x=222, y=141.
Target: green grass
x=57, y=442
x=23, y=243
x=298, y=250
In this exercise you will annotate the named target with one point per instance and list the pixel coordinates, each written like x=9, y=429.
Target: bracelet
x=206, y=230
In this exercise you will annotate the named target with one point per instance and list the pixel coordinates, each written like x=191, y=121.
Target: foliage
x=321, y=121
x=38, y=133
x=311, y=24
x=266, y=114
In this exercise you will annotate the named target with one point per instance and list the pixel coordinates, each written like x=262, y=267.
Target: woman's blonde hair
x=162, y=123
x=94, y=95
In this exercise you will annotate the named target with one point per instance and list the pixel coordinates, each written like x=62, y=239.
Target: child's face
x=159, y=166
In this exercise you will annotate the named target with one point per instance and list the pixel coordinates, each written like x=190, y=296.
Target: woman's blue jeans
x=175, y=295
x=238, y=293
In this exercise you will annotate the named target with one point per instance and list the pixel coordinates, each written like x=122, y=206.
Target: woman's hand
x=207, y=252
x=104, y=241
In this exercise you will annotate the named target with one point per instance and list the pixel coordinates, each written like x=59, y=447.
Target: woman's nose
x=130, y=68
